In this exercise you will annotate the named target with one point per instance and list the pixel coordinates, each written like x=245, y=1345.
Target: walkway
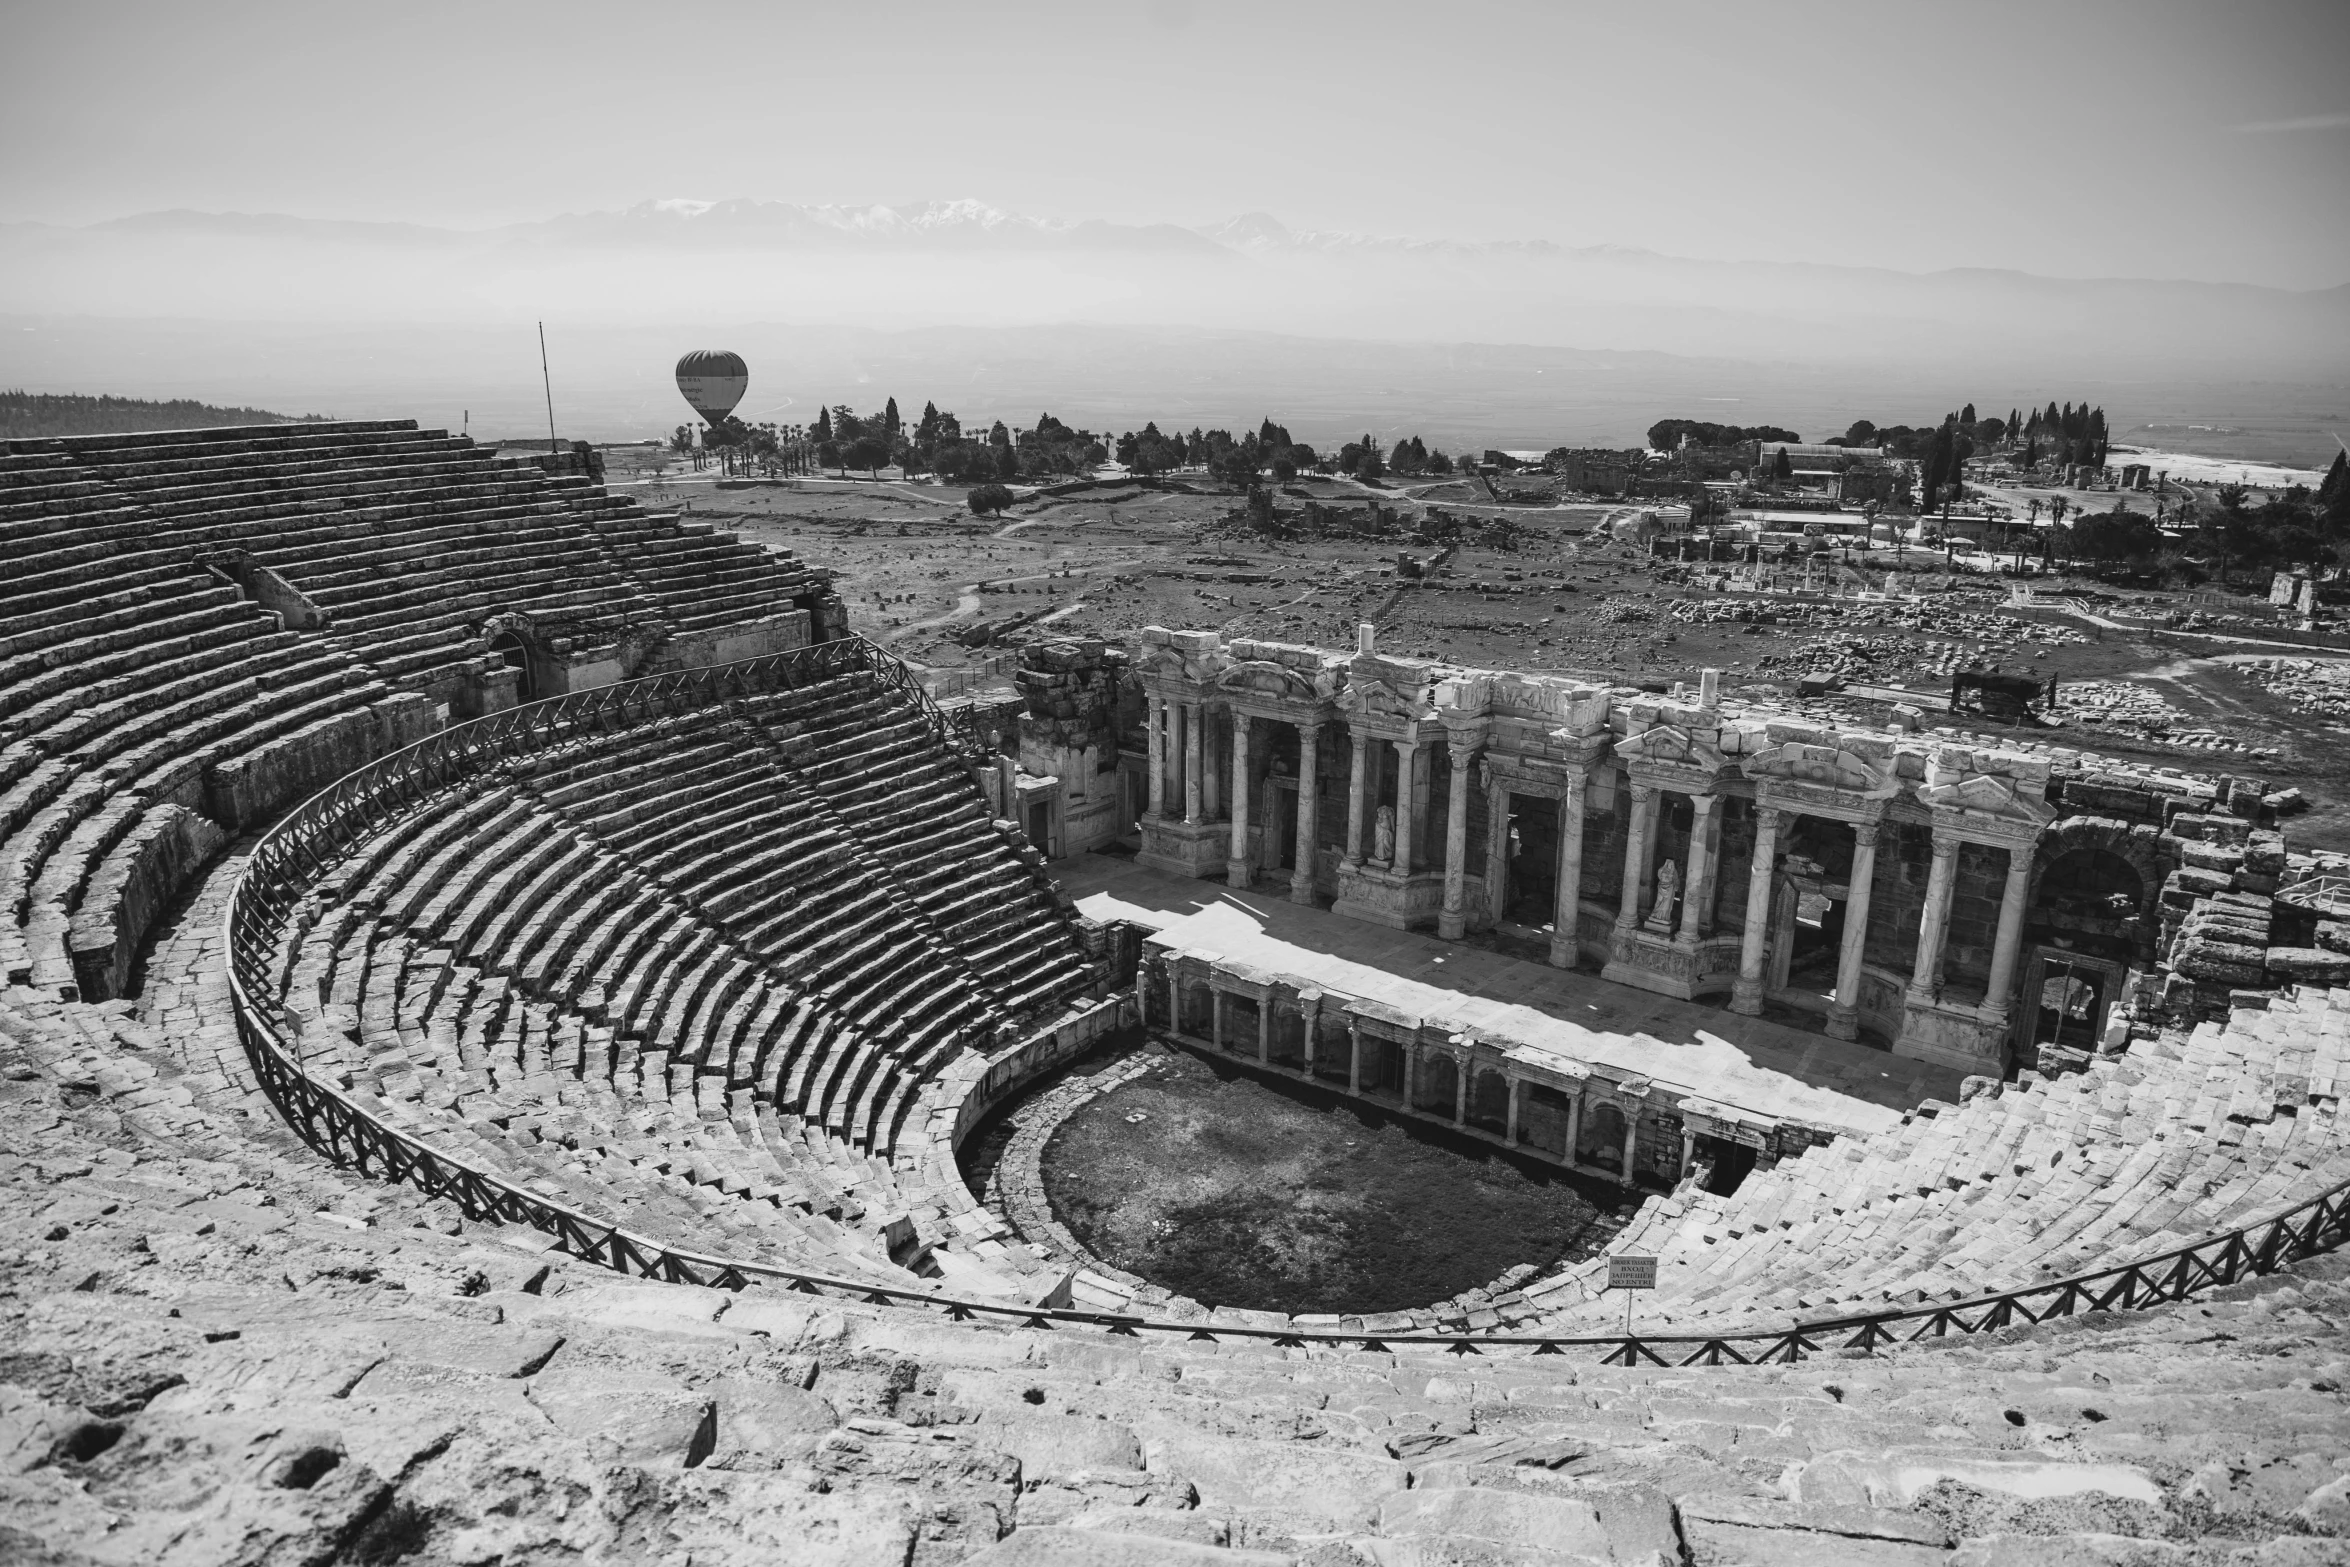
x=1690, y=1046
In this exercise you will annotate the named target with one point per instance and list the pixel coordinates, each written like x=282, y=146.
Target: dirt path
x=969, y=601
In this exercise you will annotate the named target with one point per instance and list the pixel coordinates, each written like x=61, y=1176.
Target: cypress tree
x=2336, y=476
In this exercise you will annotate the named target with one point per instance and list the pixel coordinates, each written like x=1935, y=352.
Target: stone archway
x=2096, y=884
x=514, y=650
x=1602, y=1138
x=1438, y=1090
x=1489, y=1102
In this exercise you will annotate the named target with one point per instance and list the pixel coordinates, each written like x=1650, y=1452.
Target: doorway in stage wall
x=1807, y=914
x=1040, y=826
x=1532, y=861
x=2067, y=997
x=1807, y=936
x=1282, y=851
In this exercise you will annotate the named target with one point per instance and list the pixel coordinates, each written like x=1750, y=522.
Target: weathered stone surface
x=1897, y=1478
x=641, y=1417
x=1059, y=1547
x=1325, y=1491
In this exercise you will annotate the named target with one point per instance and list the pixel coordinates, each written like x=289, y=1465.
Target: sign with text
x=1631, y=1273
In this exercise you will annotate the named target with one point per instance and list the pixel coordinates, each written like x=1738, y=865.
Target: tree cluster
x=1665, y=435
x=769, y=450
x=1412, y=457
x=2063, y=434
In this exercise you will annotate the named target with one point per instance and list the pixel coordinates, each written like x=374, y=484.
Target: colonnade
x=1925, y=980
x=1181, y=756
x=1179, y=729
x=1309, y=1004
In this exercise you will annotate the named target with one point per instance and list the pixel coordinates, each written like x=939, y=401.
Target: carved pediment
x=1265, y=678
x=1380, y=698
x=1822, y=767
x=1672, y=746
x=1983, y=799
x=1175, y=664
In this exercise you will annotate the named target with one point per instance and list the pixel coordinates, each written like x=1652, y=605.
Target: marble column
x=1631, y=1147
x=1636, y=855
x=1688, y=1151
x=1407, y=805
x=1216, y=1019
x=1697, y=887
x=1566, y=941
x=1516, y=1084
x=1174, y=1001
x=1354, y=1054
x=1574, y=1127
x=1158, y=749
x=1460, y=1091
x=2011, y=927
x=1211, y=785
x=1309, y=1011
x=1746, y=995
x=1411, y=1074
x=1925, y=980
x=1142, y=995
x=1264, y=1030
x=1844, y=1011
x=1353, y=858
x=1309, y=812
x=1238, y=871
x=1192, y=762
x=1452, y=921
x=1497, y=847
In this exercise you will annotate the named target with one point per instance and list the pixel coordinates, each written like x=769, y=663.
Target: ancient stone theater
x=522, y=1039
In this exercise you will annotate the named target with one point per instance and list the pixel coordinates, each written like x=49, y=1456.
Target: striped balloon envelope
x=713, y=381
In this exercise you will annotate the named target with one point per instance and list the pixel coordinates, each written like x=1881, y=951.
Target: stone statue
x=1383, y=835
x=1668, y=893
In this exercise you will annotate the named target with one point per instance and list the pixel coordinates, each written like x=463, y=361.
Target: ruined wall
x=1897, y=895
x=1069, y=731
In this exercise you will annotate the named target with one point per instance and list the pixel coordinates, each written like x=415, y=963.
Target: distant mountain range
x=969, y=224
x=935, y=263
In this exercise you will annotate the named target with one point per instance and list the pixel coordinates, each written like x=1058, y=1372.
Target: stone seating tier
x=696, y=919
x=134, y=683
x=216, y=1337
x=408, y=539
x=2192, y=1133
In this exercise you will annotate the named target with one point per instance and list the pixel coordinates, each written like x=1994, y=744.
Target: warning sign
x=1631, y=1273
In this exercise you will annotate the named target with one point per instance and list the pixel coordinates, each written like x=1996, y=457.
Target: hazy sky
x=2142, y=138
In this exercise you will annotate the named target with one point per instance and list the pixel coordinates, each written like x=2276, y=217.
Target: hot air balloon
x=713, y=381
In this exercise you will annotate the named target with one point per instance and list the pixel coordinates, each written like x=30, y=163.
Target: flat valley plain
x=1532, y=583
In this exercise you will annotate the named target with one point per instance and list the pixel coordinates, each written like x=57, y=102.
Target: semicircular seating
x=693, y=974
x=151, y=706
x=2186, y=1136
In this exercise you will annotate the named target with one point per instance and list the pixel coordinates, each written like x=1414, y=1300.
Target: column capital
x=1945, y=845
x=1704, y=804
x=1766, y=817
x=1865, y=833
x=1642, y=793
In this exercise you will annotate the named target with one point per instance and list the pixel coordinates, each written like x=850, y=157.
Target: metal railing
x=303, y=847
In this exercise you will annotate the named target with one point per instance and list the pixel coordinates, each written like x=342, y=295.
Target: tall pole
x=548, y=381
